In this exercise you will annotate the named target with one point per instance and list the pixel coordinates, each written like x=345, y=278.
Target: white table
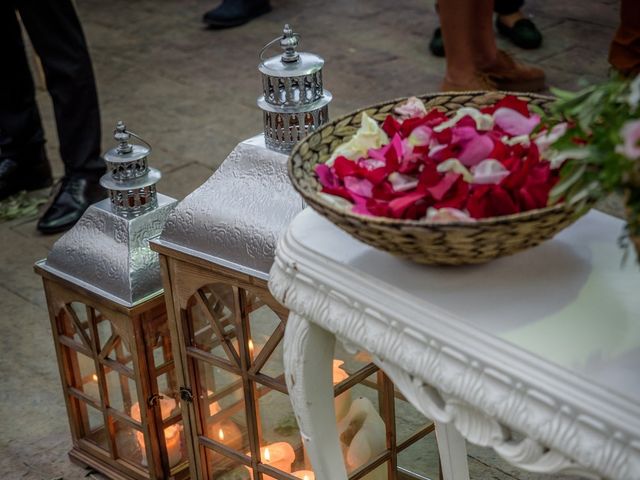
x=545, y=343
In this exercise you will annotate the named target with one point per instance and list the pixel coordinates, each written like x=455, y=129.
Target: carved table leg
x=453, y=452
x=308, y=355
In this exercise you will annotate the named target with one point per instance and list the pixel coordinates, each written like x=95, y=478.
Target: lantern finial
x=289, y=43
x=121, y=136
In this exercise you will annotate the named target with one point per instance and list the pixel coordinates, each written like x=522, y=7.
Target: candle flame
x=267, y=455
x=306, y=477
x=250, y=345
x=95, y=377
x=221, y=434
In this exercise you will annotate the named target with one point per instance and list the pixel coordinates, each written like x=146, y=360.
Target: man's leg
x=23, y=165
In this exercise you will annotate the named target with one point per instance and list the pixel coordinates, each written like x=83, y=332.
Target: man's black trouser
x=57, y=37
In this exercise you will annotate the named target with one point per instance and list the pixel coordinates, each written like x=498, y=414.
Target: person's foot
x=519, y=29
x=28, y=170
x=436, y=45
x=232, y=13
x=507, y=74
x=479, y=82
x=74, y=195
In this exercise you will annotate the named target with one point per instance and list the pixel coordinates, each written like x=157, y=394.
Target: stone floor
x=191, y=93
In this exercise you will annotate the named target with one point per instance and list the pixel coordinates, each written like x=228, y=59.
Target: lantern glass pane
x=113, y=347
x=222, y=406
x=162, y=345
x=212, y=320
x=74, y=324
x=421, y=458
x=264, y=333
x=121, y=390
x=93, y=424
x=83, y=372
x=279, y=429
x=167, y=385
x=105, y=329
x=130, y=443
x=409, y=421
x=220, y=467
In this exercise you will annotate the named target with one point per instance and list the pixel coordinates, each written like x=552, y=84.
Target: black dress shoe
x=232, y=13
x=74, y=196
x=523, y=34
x=436, y=45
x=28, y=170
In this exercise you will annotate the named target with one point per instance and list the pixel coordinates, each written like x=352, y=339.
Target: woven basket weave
x=424, y=242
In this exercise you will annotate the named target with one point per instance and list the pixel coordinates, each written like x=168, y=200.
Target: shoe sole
x=212, y=24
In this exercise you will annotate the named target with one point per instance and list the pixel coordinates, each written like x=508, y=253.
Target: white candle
x=172, y=434
x=278, y=455
x=305, y=474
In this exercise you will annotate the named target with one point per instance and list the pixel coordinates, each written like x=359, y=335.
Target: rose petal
x=514, y=123
x=454, y=165
x=326, y=176
x=413, y=107
x=547, y=138
x=401, y=182
x=420, y=136
x=439, y=190
x=482, y=121
x=398, y=205
x=447, y=215
x=476, y=150
x=368, y=136
x=631, y=136
x=489, y=171
x=358, y=186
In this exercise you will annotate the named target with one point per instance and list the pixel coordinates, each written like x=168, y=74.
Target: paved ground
x=191, y=93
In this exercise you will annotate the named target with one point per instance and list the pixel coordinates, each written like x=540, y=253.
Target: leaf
x=21, y=205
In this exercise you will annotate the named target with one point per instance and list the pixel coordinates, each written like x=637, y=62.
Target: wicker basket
x=424, y=242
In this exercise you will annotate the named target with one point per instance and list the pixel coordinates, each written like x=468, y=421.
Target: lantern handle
x=122, y=135
x=288, y=42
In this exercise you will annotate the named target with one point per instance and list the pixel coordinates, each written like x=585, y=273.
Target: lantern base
x=109, y=254
x=84, y=459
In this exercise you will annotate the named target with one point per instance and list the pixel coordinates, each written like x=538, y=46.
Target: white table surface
x=564, y=317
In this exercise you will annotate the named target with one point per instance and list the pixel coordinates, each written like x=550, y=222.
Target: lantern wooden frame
x=136, y=331
x=184, y=278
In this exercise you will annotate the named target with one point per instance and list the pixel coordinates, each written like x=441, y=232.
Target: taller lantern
x=294, y=101
x=109, y=323
x=216, y=252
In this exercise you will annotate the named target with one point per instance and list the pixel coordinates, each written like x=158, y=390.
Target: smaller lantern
x=294, y=101
x=109, y=324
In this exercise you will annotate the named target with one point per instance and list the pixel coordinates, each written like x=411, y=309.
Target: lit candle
x=305, y=474
x=278, y=455
x=251, y=347
x=172, y=434
x=343, y=401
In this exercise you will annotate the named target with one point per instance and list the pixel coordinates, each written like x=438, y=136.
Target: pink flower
x=515, y=123
x=358, y=186
x=476, y=150
x=631, y=136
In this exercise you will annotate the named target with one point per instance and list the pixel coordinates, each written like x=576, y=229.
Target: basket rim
x=317, y=201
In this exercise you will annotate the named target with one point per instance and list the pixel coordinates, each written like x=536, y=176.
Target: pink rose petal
x=358, y=186
x=440, y=189
x=514, y=123
x=476, y=150
x=489, y=171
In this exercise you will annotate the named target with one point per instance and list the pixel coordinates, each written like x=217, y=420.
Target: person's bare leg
x=463, y=23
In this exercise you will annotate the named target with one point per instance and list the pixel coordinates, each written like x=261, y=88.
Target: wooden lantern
x=215, y=253
x=109, y=324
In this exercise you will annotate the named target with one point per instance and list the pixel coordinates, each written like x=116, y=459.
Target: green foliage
x=596, y=116
x=20, y=205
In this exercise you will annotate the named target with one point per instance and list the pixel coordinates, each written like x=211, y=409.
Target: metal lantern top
x=129, y=179
x=236, y=217
x=107, y=251
x=293, y=98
